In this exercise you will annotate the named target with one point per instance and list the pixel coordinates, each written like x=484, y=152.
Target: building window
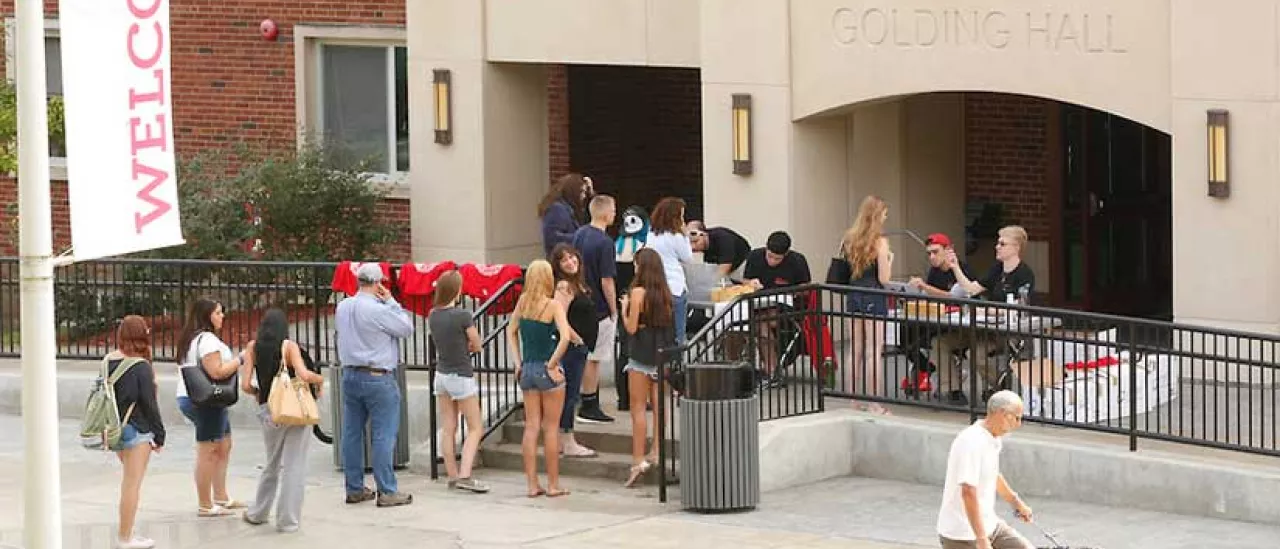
x=53, y=78
x=363, y=103
x=53, y=83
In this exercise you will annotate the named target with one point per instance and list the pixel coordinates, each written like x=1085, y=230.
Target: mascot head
x=634, y=232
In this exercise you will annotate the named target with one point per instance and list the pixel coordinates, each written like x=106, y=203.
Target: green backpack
x=102, y=425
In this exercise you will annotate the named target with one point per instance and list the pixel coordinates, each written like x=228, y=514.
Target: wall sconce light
x=440, y=85
x=1219, y=187
x=742, y=164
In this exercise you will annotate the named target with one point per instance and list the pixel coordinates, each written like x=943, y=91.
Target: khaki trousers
x=1005, y=537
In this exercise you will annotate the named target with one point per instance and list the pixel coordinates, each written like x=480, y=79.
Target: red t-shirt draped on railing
x=418, y=284
x=482, y=282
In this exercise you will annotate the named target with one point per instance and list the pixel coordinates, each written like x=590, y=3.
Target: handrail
x=1212, y=387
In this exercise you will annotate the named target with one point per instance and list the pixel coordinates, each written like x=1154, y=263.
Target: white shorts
x=456, y=386
x=607, y=331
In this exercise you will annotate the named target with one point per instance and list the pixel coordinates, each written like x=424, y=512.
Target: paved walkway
x=843, y=513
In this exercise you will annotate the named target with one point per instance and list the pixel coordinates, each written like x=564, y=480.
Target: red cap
x=939, y=239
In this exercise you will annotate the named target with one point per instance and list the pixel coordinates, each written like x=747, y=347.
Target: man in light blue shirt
x=369, y=325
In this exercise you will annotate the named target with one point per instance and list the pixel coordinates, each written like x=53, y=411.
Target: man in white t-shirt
x=967, y=519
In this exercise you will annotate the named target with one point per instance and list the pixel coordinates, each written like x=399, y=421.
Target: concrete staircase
x=611, y=441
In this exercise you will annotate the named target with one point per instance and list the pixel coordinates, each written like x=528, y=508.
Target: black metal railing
x=92, y=296
x=1132, y=377
x=494, y=372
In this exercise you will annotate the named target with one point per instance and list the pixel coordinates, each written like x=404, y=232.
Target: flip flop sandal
x=231, y=504
x=536, y=493
x=557, y=493
x=215, y=511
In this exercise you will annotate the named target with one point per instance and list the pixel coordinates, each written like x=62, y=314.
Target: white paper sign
x=121, y=172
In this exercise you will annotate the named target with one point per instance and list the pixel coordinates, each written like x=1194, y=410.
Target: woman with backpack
x=199, y=347
x=286, y=467
x=142, y=431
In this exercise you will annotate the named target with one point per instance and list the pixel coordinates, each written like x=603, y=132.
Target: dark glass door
x=1117, y=228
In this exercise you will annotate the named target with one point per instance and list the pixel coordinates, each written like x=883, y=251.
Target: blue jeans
x=375, y=400
x=574, y=363
x=680, y=310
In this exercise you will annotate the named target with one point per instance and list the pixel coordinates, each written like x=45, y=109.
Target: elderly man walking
x=369, y=325
x=967, y=519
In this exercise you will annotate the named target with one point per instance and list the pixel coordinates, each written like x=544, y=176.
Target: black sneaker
x=593, y=414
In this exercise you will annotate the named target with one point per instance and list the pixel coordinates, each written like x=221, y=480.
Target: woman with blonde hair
x=871, y=262
x=538, y=335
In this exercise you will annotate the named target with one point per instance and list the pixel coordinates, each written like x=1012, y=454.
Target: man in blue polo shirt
x=369, y=326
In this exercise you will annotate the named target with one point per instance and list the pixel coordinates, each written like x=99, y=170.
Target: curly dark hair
x=668, y=216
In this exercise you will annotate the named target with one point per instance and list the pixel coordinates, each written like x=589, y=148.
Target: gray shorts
x=456, y=386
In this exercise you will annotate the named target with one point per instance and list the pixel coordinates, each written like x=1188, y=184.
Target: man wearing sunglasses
x=720, y=246
x=918, y=338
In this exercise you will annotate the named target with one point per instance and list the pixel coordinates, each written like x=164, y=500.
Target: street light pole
x=42, y=522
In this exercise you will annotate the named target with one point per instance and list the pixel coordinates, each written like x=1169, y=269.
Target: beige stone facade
x=852, y=97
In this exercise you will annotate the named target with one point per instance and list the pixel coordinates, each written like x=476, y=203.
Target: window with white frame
x=53, y=71
x=363, y=101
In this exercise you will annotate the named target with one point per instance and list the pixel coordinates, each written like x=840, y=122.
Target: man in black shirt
x=773, y=266
x=1009, y=280
x=720, y=246
x=940, y=279
x=918, y=337
x=776, y=265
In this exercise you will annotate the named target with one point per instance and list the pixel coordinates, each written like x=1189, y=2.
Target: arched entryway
x=1092, y=189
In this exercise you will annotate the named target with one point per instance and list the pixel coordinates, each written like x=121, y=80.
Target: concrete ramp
x=1038, y=461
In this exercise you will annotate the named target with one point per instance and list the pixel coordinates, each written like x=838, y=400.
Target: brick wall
x=1007, y=157
x=558, y=121
x=637, y=131
x=230, y=85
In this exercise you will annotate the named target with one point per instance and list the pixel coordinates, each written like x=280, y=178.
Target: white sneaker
x=138, y=542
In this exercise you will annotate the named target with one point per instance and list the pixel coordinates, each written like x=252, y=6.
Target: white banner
x=121, y=172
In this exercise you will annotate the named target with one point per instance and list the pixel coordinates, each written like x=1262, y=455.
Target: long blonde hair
x=539, y=285
x=860, y=240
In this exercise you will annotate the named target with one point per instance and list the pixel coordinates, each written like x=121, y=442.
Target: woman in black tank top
x=871, y=262
x=574, y=295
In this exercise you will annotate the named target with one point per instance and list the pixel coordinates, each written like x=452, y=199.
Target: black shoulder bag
x=839, y=271
x=205, y=391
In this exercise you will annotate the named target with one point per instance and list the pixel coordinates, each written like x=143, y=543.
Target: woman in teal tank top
x=538, y=335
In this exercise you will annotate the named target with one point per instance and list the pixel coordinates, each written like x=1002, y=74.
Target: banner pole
x=42, y=518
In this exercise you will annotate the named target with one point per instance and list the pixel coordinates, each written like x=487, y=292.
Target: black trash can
x=400, y=458
x=719, y=438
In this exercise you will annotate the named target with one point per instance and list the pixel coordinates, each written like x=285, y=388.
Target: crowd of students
x=562, y=329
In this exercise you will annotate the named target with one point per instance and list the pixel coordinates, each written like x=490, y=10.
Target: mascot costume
x=631, y=239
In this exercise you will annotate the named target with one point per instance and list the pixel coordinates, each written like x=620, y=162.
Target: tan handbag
x=290, y=402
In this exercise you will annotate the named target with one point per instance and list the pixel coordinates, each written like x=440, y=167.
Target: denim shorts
x=456, y=386
x=633, y=366
x=212, y=424
x=868, y=304
x=535, y=377
x=130, y=437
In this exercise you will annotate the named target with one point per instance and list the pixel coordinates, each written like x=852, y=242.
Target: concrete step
x=601, y=438
x=611, y=466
